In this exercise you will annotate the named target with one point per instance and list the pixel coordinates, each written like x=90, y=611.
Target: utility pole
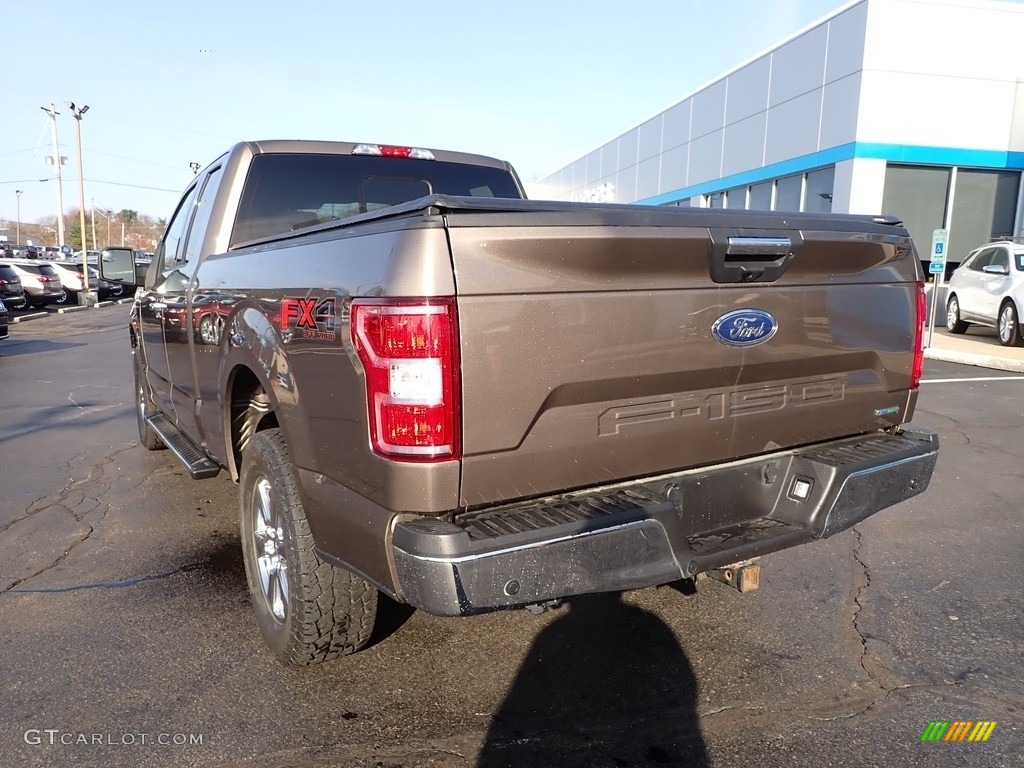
x=85, y=296
x=17, y=236
x=52, y=112
x=92, y=211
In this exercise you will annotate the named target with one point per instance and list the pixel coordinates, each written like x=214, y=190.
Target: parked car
x=3, y=321
x=31, y=252
x=52, y=252
x=70, y=274
x=11, y=291
x=988, y=289
x=41, y=282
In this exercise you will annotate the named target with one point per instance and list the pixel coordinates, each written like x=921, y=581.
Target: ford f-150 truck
x=428, y=386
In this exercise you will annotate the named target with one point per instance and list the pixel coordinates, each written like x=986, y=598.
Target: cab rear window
x=288, y=192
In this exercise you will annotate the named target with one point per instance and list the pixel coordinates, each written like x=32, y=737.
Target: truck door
x=161, y=302
x=181, y=339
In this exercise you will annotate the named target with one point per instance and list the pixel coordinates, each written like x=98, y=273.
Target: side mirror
x=996, y=269
x=118, y=265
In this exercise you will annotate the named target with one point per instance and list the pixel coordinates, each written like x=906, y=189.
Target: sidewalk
x=979, y=346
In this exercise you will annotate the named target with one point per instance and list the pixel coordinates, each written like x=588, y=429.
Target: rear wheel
x=144, y=407
x=953, y=322
x=64, y=298
x=308, y=610
x=1009, y=326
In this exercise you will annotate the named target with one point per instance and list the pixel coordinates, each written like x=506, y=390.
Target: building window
x=761, y=196
x=788, y=193
x=917, y=195
x=716, y=200
x=819, y=190
x=984, y=204
x=736, y=198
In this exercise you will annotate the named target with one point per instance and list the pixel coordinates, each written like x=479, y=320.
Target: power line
x=19, y=152
x=132, y=159
x=134, y=186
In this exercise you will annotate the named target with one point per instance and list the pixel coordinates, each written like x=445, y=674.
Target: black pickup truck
x=430, y=387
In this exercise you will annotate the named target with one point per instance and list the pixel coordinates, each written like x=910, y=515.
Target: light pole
x=105, y=216
x=17, y=195
x=58, y=161
x=85, y=296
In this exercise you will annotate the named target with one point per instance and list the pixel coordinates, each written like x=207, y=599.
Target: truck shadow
x=606, y=684
x=35, y=347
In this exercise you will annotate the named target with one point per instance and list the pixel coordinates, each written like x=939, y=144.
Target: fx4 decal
x=310, y=318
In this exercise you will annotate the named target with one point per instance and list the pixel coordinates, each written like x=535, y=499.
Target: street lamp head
x=18, y=192
x=76, y=111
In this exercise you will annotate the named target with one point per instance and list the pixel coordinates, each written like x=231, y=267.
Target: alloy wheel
x=269, y=541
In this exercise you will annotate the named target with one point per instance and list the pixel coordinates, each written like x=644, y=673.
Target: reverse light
x=391, y=150
x=409, y=352
x=922, y=319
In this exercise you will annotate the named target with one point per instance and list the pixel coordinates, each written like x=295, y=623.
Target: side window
x=982, y=260
x=203, y=206
x=1001, y=259
x=171, y=245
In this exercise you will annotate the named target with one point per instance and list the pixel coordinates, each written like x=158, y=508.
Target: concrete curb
x=23, y=318
x=981, y=361
x=65, y=310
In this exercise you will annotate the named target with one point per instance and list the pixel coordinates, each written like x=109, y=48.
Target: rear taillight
x=409, y=352
x=3, y=282
x=921, y=321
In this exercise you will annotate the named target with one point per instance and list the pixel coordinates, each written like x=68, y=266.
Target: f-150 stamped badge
x=310, y=318
x=744, y=327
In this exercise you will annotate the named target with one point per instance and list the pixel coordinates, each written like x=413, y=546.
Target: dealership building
x=907, y=107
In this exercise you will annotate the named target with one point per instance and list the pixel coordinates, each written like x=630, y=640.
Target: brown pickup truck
x=430, y=387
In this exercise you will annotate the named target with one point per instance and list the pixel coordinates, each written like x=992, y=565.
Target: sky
x=168, y=84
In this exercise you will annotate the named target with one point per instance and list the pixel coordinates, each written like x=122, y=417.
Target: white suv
x=988, y=289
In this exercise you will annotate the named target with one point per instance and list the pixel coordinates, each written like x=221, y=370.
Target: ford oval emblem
x=744, y=327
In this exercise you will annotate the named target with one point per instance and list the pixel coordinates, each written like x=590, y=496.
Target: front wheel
x=308, y=610
x=144, y=407
x=953, y=322
x=1009, y=326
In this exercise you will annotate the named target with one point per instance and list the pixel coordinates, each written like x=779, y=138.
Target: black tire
x=308, y=610
x=65, y=298
x=144, y=407
x=1008, y=326
x=953, y=322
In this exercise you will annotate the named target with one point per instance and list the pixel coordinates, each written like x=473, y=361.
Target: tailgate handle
x=751, y=256
x=768, y=248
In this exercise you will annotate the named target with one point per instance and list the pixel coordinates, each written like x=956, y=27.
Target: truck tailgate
x=590, y=355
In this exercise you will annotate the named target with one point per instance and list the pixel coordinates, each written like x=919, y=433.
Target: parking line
x=979, y=378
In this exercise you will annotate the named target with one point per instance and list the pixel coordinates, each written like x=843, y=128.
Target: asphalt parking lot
x=128, y=640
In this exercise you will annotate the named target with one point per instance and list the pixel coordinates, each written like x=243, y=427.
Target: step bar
x=198, y=464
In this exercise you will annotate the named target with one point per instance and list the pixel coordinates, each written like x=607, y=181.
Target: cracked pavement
x=124, y=611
